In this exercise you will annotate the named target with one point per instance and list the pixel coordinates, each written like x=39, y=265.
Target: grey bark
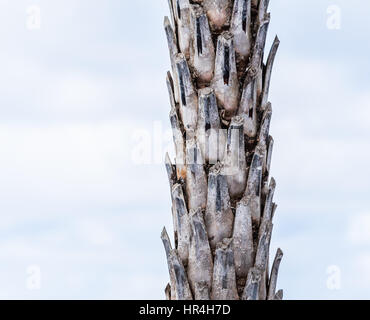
x=274, y=274
x=221, y=189
x=219, y=217
x=200, y=267
x=224, y=278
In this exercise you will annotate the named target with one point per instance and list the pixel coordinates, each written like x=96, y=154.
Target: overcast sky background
x=75, y=94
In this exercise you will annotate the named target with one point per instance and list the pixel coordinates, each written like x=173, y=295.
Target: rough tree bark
x=222, y=194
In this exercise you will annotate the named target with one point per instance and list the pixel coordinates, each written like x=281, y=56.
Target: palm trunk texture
x=221, y=191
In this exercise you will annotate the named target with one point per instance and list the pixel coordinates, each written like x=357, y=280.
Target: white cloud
x=360, y=274
x=95, y=232
x=359, y=230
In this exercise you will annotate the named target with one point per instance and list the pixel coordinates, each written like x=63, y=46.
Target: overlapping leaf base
x=222, y=194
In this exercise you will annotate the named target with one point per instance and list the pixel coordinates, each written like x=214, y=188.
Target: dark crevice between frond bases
x=226, y=71
x=199, y=37
x=178, y=9
x=182, y=90
x=250, y=113
x=244, y=19
x=207, y=115
x=254, y=15
x=218, y=196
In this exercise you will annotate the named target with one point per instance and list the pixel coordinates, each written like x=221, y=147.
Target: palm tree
x=222, y=194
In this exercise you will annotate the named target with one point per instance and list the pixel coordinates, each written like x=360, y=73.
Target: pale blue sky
x=74, y=94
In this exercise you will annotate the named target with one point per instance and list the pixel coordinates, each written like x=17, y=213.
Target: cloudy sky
x=81, y=208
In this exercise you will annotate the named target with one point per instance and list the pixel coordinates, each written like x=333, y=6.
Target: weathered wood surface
x=219, y=217
x=200, y=268
x=221, y=185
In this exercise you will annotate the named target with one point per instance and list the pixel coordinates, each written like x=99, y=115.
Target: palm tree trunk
x=222, y=194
